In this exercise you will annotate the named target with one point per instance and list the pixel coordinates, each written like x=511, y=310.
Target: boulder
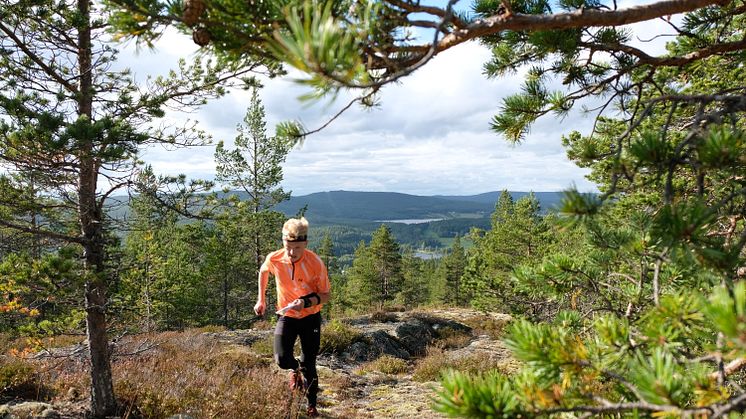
x=28, y=410
x=415, y=335
x=375, y=344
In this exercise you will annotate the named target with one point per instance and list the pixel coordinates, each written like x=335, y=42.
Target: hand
x=260, y=308
x=296, y=305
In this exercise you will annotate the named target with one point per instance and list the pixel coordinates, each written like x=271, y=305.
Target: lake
x=411, y=220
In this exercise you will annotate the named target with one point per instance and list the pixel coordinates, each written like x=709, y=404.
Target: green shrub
x=387, y=364
x=337, y=336
x=212, y=328
x=264, y=346
x=18, y=379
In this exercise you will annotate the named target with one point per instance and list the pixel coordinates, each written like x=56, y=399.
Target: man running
x=302, y=287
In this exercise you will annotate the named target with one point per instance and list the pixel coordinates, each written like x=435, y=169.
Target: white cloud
x=429, y=136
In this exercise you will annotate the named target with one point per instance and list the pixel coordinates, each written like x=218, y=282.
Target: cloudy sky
x=429, y=136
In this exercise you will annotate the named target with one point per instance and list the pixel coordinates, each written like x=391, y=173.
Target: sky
x=429, y=136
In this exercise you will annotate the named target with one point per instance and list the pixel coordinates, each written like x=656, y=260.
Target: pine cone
x=201, y=37
x=193, y=9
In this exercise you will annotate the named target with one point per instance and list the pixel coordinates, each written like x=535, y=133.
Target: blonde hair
x=295, y=230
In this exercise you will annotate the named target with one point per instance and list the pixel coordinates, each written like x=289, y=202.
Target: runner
x=302, y=287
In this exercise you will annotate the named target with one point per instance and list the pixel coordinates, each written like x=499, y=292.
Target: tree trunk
x=103, y=402
x=225, y=300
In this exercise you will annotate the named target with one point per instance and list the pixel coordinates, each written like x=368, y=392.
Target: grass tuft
x=450, y=338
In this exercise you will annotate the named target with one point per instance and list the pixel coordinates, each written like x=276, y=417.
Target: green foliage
x=519, y=234
x=18, y=379
x=254, y=166
x=488, y=395
x=376, y=278
x=659, y=379
x=388, y=365
x=315, y=43
x=545, y=348
x=727, y=310
x=337, y=336
x=40, y=294
x=454, y=265
x=417, y=286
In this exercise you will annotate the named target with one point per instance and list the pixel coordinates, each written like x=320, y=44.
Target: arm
x=261, y=299
x=324, y=297
x=310, y=300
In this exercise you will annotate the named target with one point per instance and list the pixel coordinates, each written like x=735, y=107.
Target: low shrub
x=193, y=375
x=431, y=367
x=265, y=346
x=450, y=338
x=337, y=336
x=488, y=325
x=381, y=316
x=19, y=379
x=387, y=364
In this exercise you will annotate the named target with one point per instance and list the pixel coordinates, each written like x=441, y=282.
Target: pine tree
x=361, y=289
x=653, y=284
x=385, y=254
x=455, y=265
x=416, y=286
x=326, y=253
x=253, y=168
x=519, y=235
x=72, y=125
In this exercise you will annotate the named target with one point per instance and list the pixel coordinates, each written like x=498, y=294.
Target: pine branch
x=44, y=233
x=38, y=60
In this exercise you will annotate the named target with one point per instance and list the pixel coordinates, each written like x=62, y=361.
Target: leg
x=285, y=333
x=310, y=341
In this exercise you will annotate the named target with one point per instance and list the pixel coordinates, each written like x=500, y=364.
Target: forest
x=627, y=303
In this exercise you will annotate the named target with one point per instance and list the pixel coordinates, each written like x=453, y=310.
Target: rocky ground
x=351, y=384
x=352, y=391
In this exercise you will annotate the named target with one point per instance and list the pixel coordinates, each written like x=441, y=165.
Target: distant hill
x=341, y=206
x=350, y=217
x=548, y=200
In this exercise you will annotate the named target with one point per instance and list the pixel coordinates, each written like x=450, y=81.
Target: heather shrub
x=450, y=338
x=337, y=336
x=437, y=361
x=193, y=375
x=18, y=378
x=387, y=364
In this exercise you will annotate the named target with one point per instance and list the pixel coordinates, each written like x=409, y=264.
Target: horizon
x=435, y=195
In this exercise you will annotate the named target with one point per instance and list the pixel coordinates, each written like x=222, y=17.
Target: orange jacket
x=294, y=280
